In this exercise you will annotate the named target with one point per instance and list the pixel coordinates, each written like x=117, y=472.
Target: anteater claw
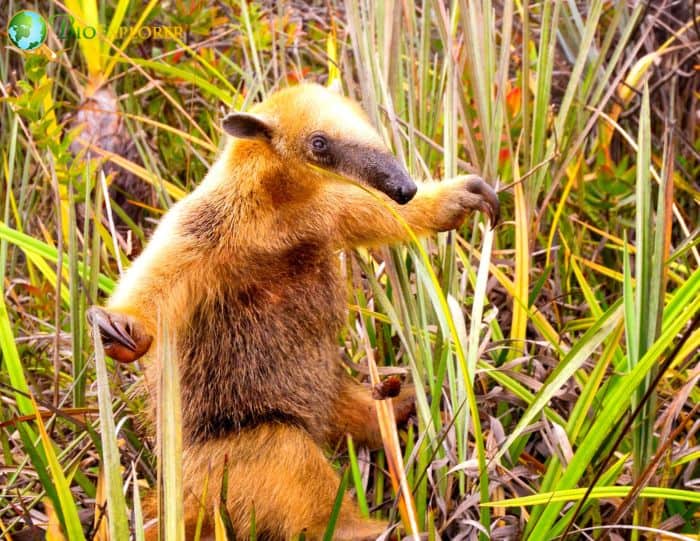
x=123, y=338
x=490, y=205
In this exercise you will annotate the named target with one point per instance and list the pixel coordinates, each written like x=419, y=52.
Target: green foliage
x=554, y=357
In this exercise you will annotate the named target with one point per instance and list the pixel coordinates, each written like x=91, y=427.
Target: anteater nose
x=405, y=193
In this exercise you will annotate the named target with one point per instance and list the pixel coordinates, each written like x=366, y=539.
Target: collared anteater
x=244, y=274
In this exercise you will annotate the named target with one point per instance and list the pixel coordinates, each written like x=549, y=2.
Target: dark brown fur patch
x=264, y=350
x=204, y=222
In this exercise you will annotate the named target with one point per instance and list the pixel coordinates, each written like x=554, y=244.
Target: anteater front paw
x=124, y=339
x=462, y=195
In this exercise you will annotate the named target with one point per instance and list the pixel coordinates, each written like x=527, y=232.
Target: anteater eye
x=319, y=143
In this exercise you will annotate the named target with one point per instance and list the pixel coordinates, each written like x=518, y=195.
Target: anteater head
x=311, y=124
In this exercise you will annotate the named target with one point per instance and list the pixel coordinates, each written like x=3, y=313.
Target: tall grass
x=555, y=357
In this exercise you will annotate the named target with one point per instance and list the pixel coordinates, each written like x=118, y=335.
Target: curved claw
x=123, y=338
x=490, y=205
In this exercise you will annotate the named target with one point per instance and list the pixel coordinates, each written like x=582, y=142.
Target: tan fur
x=243, y=272
x=278, y=471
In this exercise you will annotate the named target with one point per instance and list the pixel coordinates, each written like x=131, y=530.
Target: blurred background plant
x=555, y=357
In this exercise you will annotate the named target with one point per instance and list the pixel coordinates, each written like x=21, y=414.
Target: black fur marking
x=247, y=126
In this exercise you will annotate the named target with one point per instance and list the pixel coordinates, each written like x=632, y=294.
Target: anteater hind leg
x=279, y=472
x=354, y=412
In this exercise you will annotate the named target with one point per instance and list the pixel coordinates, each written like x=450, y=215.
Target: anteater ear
x=247, y=126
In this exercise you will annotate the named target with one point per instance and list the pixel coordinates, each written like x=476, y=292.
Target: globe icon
x=27, y=30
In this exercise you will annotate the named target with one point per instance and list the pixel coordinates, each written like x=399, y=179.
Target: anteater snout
x=393, y=179
x=405, y=192
x=378, y=169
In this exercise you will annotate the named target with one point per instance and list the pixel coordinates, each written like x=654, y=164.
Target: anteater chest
x=265, y=349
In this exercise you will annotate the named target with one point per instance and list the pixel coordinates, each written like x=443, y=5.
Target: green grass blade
x=337, y=504
x=357, y=479
x=599, y=492
x=578, y=355
x=39, y=248
x=611, y=413
x=11, y=360
x=116, y=504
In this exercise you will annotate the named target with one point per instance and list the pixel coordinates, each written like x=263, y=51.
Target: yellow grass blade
x=53, y=531
x=392, y=448
x=85, y=14
x=332, y=52
x=522, y=270
x=141, y=172
x=134, y=30
x=537, y=318
x=207, y=145
x=71, y=522
x=571, y=174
